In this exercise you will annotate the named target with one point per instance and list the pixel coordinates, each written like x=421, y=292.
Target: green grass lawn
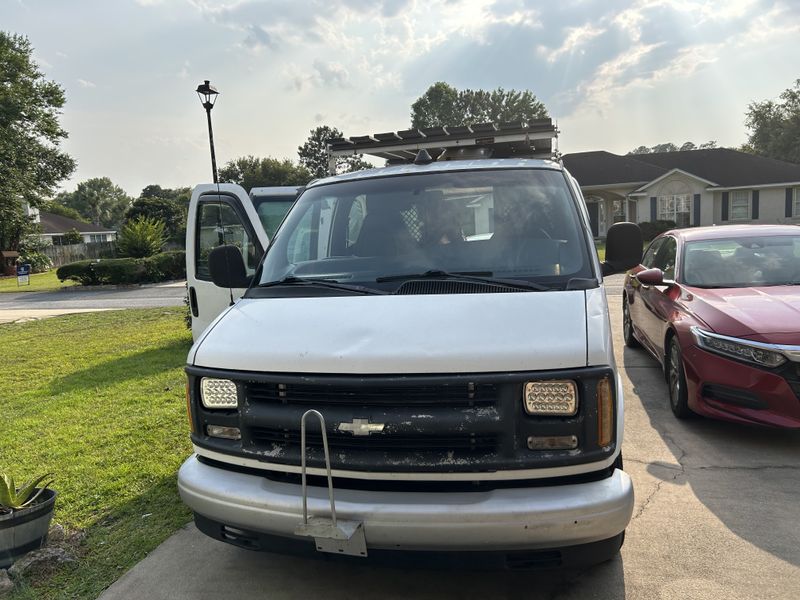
x=40, y=282
x=601, y=249
x=98, y=400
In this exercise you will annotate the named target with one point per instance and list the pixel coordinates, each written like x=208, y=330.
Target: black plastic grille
x=456, y=394
x=418, y=287
x=282, y=437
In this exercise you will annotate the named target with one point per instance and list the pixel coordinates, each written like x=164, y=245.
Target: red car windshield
x=742, y=262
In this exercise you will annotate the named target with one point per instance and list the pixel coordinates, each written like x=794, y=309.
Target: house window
x=97, y=237
x=796, y=207
x=676, y=208
x=58, y=240
x=740, y=205
x=619, y=210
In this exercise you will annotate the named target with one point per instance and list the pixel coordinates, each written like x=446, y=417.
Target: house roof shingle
x=605, y=168
x=56, y=224
x=724, y=167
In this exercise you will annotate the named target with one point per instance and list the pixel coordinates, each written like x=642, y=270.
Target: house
x=55, y=226
x=695, y=187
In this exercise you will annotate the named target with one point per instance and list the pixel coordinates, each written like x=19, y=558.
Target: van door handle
x=193, y=302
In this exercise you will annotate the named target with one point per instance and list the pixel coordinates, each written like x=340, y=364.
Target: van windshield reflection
x=507, y=225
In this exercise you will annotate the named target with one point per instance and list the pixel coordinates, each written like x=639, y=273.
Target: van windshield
x=511, y=224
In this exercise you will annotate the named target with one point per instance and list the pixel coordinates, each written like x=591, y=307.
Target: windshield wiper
x=320, y=282
x=465, y=276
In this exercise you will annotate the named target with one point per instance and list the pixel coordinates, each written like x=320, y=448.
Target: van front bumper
x=501, y=519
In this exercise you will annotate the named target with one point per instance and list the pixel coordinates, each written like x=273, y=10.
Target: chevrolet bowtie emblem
x=361, y=427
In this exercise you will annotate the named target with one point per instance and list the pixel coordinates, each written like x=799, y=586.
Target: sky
x=614, y=74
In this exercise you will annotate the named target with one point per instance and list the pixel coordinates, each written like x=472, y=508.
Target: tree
x=31, y=162
x=98, y=200
x=181, y=195
x=670, y=147
x=14, y=224
x=775, y=126
x=250, y=172
x=54, y=207
x=141, y=238
x=314, y=157
x=169, y=212
x=444, y=105
x=73, y=236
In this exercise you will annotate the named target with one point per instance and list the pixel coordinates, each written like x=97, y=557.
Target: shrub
x=166, y=265
x=652, y=229
x=73, y=236
x=31, y=250
x=111, y=271
x=141, y=238
x=122, y=271
x=81, y=271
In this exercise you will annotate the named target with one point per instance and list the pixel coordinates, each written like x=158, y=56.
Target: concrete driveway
x=15, y=306
x=717, y=515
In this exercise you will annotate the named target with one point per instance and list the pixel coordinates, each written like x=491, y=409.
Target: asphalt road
x=32, y=305
x=716, y=516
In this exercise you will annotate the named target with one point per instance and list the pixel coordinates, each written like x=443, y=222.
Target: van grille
x=372, y=393
x=434, y=423
x=287, y=438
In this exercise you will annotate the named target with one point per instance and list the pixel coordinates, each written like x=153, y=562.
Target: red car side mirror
x=652, y=277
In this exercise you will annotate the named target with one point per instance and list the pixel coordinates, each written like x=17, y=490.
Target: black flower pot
x=25, y=529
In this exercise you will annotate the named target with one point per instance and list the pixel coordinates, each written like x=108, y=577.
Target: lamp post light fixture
x=208, y=96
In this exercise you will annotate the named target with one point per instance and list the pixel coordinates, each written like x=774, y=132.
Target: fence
x=61, y=255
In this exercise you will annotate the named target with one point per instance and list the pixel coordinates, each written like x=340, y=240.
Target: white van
x=226, y=214
x=421, y=366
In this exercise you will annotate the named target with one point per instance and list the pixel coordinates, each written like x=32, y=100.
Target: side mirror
x=226, y=265
x=651, y=277
x=623, y=248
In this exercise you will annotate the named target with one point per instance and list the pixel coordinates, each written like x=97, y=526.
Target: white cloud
x=575, y=38
x=85, y=83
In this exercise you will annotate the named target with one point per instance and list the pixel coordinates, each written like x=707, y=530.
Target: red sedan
x=719, y=307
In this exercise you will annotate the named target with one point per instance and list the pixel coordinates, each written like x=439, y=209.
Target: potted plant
x=25, y=515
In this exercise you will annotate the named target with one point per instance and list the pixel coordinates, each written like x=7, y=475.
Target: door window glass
x=271, y=212
x=648, y=260
x=219, y=225
x=665, y=257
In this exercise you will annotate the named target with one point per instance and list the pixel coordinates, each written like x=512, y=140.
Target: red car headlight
x=753, y=352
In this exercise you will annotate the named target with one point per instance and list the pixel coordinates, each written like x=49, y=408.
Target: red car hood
x=765, y=314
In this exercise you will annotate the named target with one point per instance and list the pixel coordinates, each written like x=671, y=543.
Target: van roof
x=442, y=167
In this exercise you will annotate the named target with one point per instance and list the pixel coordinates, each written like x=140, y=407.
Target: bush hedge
x=652, y=229
x=121, y=271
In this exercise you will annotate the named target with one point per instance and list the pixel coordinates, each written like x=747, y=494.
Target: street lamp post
x=208, y=96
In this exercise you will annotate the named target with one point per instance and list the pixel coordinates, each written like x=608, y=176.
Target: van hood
x=464, y=333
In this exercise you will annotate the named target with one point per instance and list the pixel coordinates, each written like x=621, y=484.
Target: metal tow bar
x=330, y=535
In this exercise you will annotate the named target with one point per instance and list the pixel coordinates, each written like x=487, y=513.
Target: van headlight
x=736, y=348
x=218, y=393
x=553, y=397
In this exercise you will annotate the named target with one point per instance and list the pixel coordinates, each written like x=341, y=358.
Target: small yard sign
x=23, y=275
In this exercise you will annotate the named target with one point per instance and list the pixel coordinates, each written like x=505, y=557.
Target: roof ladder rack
x=536, y=139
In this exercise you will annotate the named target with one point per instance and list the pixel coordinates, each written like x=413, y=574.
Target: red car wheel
x=676, y=379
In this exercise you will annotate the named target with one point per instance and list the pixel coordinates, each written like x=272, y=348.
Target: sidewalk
x=34, y=314
x=16, y=306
